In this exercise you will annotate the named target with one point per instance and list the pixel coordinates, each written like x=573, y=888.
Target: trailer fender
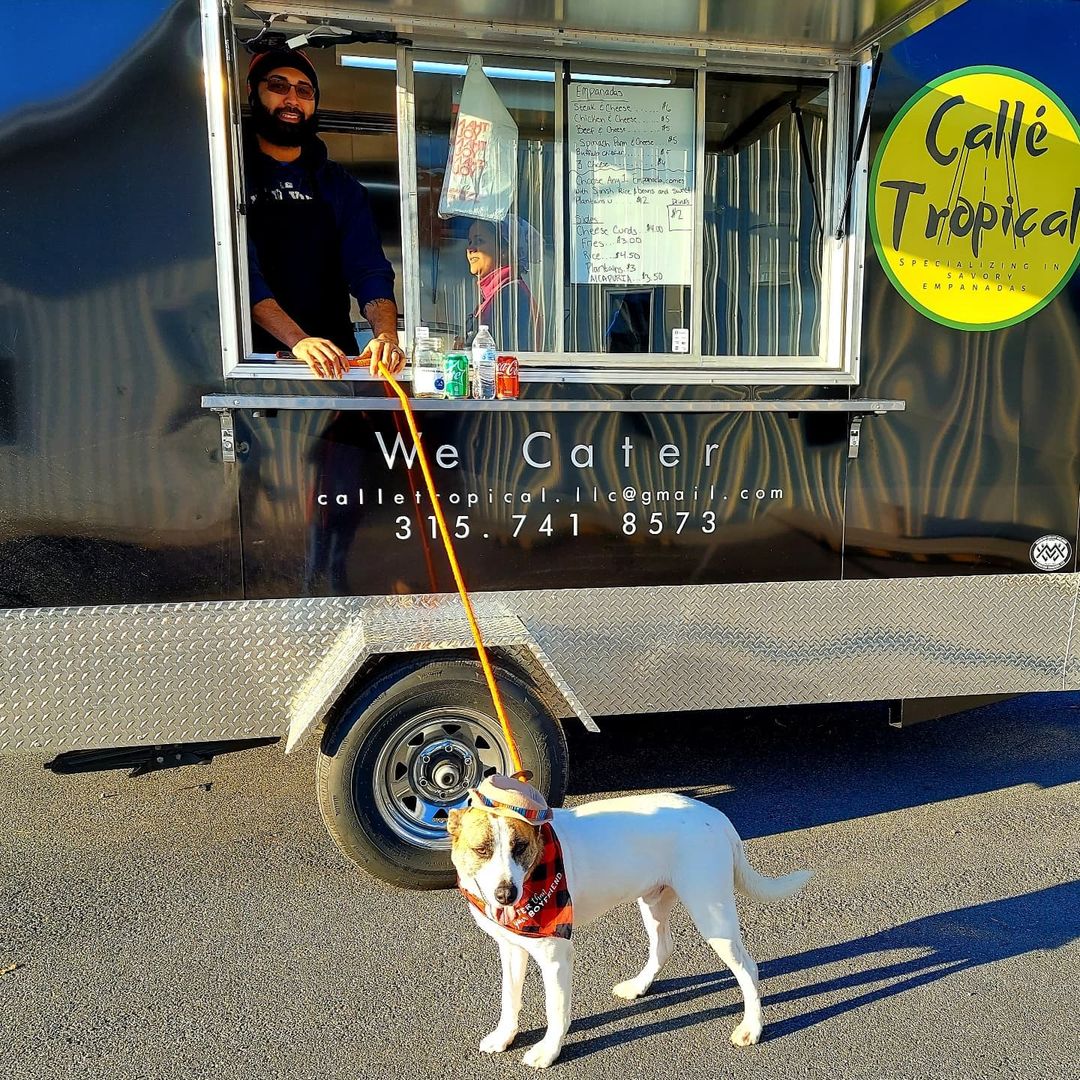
x=422, y=624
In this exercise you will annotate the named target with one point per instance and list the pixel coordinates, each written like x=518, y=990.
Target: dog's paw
x=746, y=1034
x=541, y=1056
x=630, y=989
x=497, y=1041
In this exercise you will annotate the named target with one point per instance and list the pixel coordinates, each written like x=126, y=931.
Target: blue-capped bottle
x=429, y=376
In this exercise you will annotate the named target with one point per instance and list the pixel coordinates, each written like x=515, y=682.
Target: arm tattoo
x=382, y=314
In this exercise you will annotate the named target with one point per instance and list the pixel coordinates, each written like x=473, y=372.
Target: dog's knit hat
x=509, y=796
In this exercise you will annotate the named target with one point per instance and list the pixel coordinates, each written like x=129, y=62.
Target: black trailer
x=800, y=422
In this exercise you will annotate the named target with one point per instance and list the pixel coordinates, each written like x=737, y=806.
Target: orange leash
x=444, y=534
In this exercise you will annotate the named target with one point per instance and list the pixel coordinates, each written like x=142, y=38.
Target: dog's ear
x=453, y=823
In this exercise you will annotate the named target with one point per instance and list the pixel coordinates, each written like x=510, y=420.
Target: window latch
x=228, y=435
x=854, y=434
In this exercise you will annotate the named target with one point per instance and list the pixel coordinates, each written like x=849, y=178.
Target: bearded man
x=312, y=239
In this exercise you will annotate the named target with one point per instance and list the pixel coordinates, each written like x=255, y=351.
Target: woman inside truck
x=498, y=254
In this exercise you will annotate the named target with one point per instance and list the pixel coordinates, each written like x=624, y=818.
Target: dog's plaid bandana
x=544, y=909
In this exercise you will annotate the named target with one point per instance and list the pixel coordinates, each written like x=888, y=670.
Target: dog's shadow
x=951, y=942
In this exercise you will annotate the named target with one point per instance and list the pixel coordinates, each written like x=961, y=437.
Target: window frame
x=837, y=359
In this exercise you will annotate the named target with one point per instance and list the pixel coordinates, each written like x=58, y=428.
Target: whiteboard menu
x=631, y=184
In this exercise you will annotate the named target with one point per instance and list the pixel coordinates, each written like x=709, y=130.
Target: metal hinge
x=854, y=434
x=228, y=436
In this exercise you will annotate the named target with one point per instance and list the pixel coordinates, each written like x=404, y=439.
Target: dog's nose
x=506, y=893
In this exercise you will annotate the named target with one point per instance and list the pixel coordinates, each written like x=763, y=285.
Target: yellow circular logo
x=974, y=203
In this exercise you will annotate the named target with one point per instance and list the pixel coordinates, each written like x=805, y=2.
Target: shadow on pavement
x=950, y=942
x=773, y=770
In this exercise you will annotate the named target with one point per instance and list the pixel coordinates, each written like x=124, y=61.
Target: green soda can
x=457, y=375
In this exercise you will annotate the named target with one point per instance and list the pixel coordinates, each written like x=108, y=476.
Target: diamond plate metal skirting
x=416, y=624
x=77, y=678
x=722, y=646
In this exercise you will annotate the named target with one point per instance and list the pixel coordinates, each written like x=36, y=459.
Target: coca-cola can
x=507, y=383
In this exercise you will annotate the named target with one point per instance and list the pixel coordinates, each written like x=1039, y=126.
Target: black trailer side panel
x=111, y=484
x=541, y=500
x=986, y=458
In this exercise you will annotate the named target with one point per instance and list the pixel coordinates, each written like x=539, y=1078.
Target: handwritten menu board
x=631, y=184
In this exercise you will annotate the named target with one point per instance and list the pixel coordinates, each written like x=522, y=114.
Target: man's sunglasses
x=278, y=84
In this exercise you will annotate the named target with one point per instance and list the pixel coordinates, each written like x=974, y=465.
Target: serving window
x=474, y=270
x=764, y=191
x=631, y=137
x=651, y=223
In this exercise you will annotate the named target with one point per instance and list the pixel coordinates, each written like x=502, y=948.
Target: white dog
x=527, y=894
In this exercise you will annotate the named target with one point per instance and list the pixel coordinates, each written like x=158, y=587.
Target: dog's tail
x=766, y=889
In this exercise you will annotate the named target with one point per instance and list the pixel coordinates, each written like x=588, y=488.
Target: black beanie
x=265, y=62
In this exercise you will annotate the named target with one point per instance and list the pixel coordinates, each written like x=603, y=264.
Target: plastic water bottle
x=483, y=363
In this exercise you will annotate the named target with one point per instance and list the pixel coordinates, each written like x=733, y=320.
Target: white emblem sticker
x=1051, y=552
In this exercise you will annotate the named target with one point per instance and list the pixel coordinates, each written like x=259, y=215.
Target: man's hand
x=323, y=357
x=384, y=348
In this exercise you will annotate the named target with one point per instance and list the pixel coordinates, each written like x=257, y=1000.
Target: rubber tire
x=345, y=764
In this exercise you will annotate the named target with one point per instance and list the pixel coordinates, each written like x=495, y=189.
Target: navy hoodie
x=368, y=272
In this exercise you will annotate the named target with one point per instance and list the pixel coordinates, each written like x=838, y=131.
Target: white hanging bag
x=481, y=168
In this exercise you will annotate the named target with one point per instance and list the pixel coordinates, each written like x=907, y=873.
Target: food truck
x=798, y=331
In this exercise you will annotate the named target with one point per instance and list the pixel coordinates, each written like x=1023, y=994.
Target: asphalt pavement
x=199, y=924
